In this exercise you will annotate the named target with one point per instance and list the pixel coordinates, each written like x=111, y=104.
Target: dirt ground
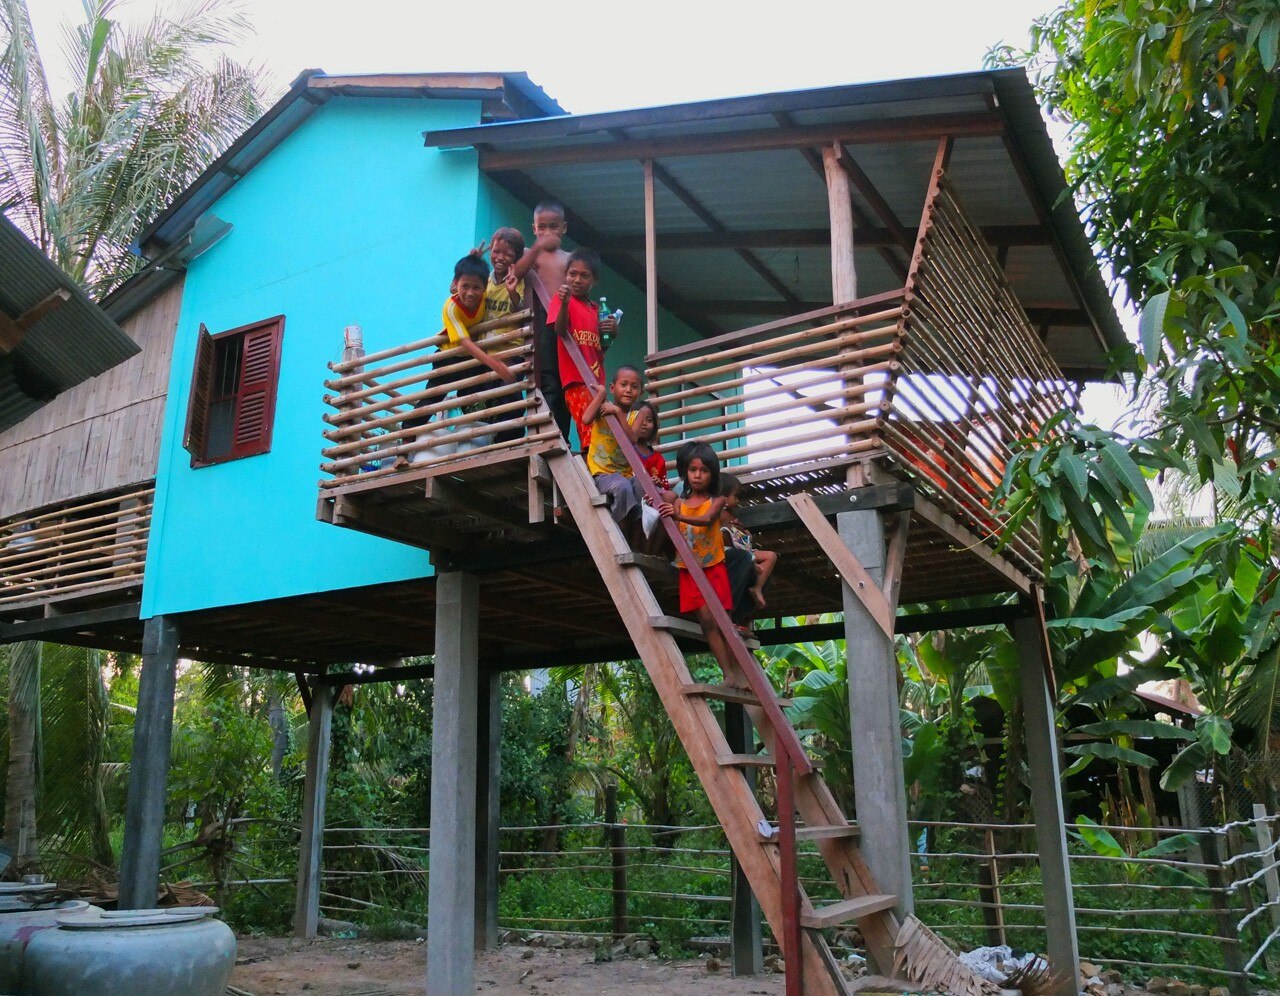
x=267, y=966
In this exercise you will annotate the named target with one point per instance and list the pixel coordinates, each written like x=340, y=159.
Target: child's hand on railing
x=563, y=294
x=666, y=510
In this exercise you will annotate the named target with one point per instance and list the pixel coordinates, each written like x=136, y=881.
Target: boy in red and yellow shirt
x=572, y=315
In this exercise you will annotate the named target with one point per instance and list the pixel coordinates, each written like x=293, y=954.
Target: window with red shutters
x=233, y=392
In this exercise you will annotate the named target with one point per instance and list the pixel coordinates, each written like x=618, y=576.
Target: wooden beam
x=885, y=498
x=714, y=224
x=526, y=189
x=650, y=261
x=879, y=206
x=13, y=330
x=410, y=672
x=464, y=499
x=51, y=627
x=865, y=235
x=972, y=543
x=855, y=575
x=844, y=274
x=891, y=130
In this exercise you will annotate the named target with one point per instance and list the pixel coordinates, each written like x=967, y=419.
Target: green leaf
x=1151, y=327
x=1171, y=845
x=1111, y=752
x=1111, y=624
x=1183, y=767
x=1076, y=473
x=1214, y=732
x=1100, y=840
x=1269, y=43
x=1136, y=728
x=1234, y=315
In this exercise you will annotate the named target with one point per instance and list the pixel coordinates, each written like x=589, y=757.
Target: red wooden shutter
x=256, y=396
x=195, y=438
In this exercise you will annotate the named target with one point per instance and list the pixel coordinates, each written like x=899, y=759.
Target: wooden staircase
x=722, y=772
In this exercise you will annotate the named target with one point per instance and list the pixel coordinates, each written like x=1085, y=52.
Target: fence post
x=1269, y=876
x=1232, y=957
x=615, y=837
x=746, y=936
x=989, y=891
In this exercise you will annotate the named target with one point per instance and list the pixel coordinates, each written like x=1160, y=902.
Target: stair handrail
x=789, y=755
x=785, y=739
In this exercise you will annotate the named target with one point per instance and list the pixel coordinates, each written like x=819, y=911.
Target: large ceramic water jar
x=25, y=910
x=179, y=952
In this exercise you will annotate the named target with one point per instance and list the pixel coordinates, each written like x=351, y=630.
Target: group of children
x=566, y=322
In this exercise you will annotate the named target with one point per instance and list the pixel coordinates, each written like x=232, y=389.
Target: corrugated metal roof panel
x=68, y=345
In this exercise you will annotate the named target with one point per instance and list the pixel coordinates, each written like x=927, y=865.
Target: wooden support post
x=615, y=838
x=488, y=809
x=650, y=261
x=315, y=784
x=746, y=935
x=1046, y=802
x=844, y=276
x=880, y=797
x=149, y=770
x=451, y=903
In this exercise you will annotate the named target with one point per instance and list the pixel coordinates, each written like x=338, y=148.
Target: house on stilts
x=863, y=297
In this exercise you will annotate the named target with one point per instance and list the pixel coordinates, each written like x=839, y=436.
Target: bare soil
x=268, y=966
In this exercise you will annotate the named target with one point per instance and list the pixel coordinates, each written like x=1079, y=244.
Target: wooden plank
x=974, y=544
x=855, y=575
x=723, y=693
x=888, y=130
x=746, y=760
x=828, y=832
x=835, y=914
x=650, y=262
x=844, y=276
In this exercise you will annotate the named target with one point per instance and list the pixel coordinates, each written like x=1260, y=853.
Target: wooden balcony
x=85, y=552
x=911, y=401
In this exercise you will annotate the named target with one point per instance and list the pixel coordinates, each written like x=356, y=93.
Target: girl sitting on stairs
x=698, y=514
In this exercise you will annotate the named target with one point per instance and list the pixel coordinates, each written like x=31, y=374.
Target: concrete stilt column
x=451, y=916
x=306, y=915
x=149, y=768
x=746, y=935
x=488, y=808
x=879, y=793
x=1046, y=801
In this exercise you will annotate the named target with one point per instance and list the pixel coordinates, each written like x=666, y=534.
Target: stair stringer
x=731, y=799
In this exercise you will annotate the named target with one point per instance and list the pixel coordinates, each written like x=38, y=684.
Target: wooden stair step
x=727, y=693
x=649, y=564
x=745, y=760
x=834, y=914
x=828, y=832
x=688, y=629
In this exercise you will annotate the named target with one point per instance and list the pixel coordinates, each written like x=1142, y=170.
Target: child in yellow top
x=698, y=514
x=505, y=292
x=464, y=309
x=605, y=459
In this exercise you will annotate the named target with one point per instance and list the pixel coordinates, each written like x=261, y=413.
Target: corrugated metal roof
x=1004, y=167
x=65, y=346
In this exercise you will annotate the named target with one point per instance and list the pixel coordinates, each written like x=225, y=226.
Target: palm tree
x=81, y=174
x=151, y=108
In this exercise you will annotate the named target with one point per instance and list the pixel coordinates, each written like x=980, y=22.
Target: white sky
x=610, y=56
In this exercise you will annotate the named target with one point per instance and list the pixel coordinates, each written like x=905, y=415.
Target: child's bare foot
x=401, y=463
x=758, y=595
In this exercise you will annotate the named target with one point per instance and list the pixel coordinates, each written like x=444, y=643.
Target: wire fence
x=1197, y=904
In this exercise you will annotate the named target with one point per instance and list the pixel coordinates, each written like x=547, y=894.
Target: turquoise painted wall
x=349, y=221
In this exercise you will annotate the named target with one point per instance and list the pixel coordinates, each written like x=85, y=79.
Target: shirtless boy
x=546, y=263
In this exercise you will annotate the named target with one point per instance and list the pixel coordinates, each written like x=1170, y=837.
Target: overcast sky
x=607, y=56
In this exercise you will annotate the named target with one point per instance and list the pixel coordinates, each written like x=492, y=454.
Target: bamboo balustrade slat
x=752, y=351
x=461, y=360
x=75, y=548
x=61, y=510
x=344, y=365
x=488, y=344
x=805, y=401
x=748, y=398
x=424, y=411
x=391, y=404
x=523, y=444
x=789, y=440
x=85, y=538
x=382, y=439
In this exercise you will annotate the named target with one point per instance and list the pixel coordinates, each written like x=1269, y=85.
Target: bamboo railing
x=973, y=377
x=391, y=419
x=76, y=548
x=803, y=393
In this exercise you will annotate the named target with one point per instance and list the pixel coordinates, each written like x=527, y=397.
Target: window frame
x=257, y=398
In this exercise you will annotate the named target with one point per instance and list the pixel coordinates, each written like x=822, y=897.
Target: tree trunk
x=279, y=731
x=24, y=736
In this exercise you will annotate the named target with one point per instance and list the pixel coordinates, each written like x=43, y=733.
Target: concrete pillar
x=451, y=908
x=149, y=767
x=315, y=785
x=879, y=793
x=488, y=808
x=1046, y=802
x=746, y=937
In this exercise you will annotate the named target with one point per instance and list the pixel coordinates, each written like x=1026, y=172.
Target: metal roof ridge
x=735, y=106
